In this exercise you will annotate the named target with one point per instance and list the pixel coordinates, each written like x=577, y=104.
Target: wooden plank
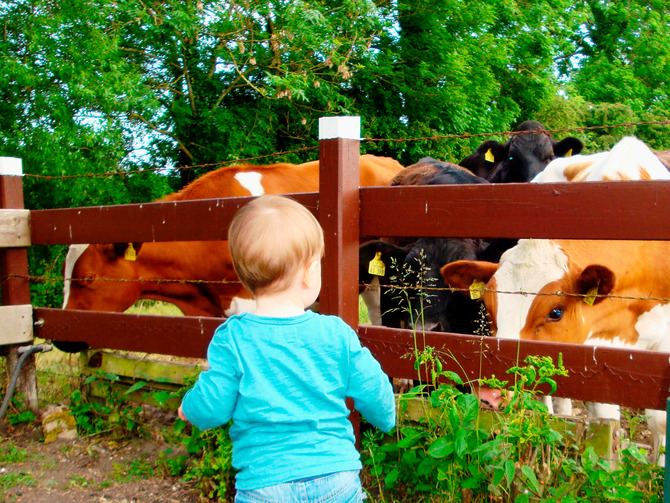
x=17, y=324
x=598, y=210
x=633, y=378
x=172, y=221
x=170, y=335
x=136, y=368
x=593, y=210
x=596, y=373
x=14, y=228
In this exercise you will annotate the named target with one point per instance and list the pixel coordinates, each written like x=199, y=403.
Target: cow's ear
x=568, y=147
x=126, y=251
x=595, y=282
x=380, y=258
x=462, y=274
x=497, y=150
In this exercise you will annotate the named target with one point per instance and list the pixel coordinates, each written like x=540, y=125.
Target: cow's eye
x=87, y=278
x=555, y=314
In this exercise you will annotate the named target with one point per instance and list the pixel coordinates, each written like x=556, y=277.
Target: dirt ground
x=100, y=470
x=86, y=470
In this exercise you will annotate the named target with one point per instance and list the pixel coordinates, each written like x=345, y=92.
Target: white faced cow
x=582, y=282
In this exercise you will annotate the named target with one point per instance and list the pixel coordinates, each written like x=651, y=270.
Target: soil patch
x=85, y=470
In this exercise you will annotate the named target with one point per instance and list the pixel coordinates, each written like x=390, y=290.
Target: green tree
x=622, y=68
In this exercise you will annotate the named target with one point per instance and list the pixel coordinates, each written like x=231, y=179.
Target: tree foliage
x=148, y=94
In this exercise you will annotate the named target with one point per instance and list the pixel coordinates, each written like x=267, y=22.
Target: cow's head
x=101, y=277
x=535, y=293
x=523, y=156
x=420, y=297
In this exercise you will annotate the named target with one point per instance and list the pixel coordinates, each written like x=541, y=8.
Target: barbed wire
x=665, y=122
x=518, y=292
x=43, y=279
x=195, y=166
x=119, y=172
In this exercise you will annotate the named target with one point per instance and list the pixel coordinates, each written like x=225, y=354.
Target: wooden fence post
x=339, y=152
x=339, y=201
x=14, y=280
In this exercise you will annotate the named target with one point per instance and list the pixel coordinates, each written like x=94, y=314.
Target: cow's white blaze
x=251, y=180
x=73, y=254
x=527, y=268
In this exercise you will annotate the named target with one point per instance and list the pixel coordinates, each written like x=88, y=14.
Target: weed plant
x=452, y=453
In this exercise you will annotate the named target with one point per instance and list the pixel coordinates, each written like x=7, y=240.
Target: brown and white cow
x=197, y=276
x=581, y=282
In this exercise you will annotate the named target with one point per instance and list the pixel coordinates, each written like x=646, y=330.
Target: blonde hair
x=269, y=239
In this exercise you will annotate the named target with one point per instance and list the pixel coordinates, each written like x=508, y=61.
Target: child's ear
x=310, y=270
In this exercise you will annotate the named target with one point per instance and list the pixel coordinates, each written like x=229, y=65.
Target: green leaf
x=441, y=448
x=137, y=386
x=460, y=443
x=391, y=477
x=510, y=470
x=531, y=478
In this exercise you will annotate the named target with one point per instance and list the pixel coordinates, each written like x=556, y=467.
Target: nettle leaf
x=510, y=470
x=137, y=386
x=425, y=467
x=391, y=478
x=469, y=405
x=441, y=448
x=531, y=478
x=460, y=442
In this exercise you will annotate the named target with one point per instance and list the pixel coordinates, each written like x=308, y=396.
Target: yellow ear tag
x=590, y=296
x=376, y=266
x=568, y=153
x=488, y=156
x=477, y=289
x=130, y=254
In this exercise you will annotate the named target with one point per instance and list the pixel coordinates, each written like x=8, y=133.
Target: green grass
x=154, y=307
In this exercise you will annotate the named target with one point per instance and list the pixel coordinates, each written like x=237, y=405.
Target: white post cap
x=11, y=166
x=348, y=127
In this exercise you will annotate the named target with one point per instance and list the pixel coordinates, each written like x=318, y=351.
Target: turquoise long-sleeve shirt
x=283, y=382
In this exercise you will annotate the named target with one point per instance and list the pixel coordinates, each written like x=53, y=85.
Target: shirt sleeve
x=370, y=387
x=211, y=402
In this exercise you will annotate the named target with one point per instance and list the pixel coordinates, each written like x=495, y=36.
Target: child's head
x=269, y=239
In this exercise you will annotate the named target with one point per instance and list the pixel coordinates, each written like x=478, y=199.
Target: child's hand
x=182, y=416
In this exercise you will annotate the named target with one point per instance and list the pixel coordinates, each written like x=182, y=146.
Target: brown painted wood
x=595, y=210
x=15, y=288
x=338, y=214
x=627, y=377
x=598, y=210
x=172, y=221
x=631, y=378
x=13, y=261
x=186, y=336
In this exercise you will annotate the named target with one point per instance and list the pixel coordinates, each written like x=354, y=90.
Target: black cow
x=418, y=263
x=522, y=157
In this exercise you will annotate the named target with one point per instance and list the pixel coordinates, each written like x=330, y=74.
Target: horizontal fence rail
x=592, y=210
x=588, y=210
x=146, y=222
x=628, y=377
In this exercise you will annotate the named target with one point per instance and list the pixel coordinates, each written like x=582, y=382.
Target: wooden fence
x=598, y=210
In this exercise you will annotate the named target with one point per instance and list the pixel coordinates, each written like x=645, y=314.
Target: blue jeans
x=340, y=487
